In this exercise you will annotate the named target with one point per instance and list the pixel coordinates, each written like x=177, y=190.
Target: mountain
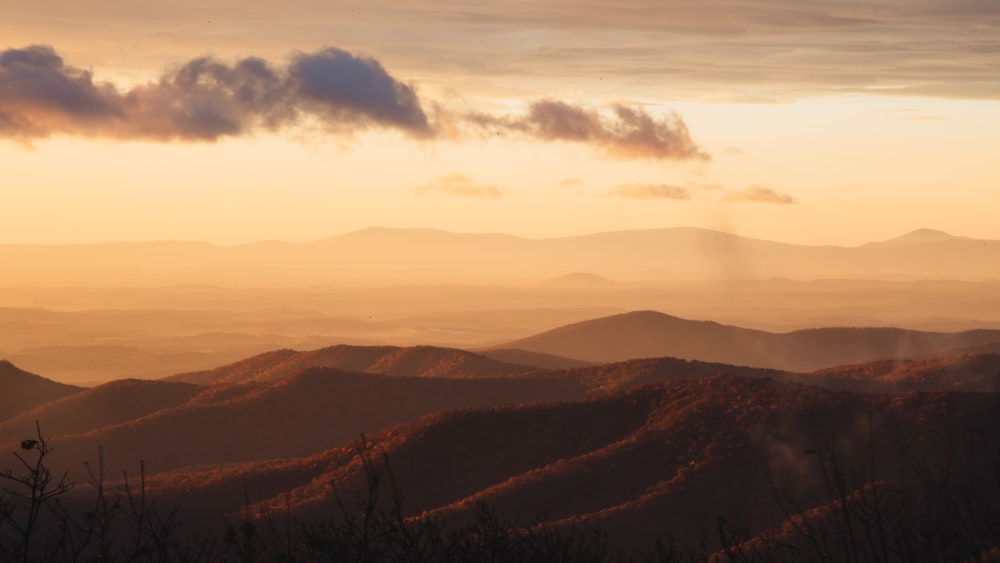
x=643, y=334
x=533, y=359
x=430, y=256
x=416, y=361
x=21, y=391
x=298, y=415
x=668, y=458
x=105, y=405
x=917, y=237
x=968, y=372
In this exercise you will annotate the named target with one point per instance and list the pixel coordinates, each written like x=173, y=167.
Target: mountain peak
x=919, y=236
x=6, y=367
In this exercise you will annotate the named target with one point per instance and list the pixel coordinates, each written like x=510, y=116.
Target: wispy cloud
x=650, y=191
x=204, y=99
x=623, y=132
x=460, y=185
x=758, y=194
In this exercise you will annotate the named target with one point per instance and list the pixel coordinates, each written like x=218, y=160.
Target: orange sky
x=231, y=122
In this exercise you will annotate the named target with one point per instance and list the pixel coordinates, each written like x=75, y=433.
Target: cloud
x=204, y=99
x=39, y=94
x=651, y=191
x=459, y=185
x=626, y=132
x=345, y=88
x=758, y=194
x=571, y=182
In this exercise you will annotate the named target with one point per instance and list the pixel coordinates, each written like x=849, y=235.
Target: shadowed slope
x=111, y=403
x=534, y=359
x=644, y=334
x=663, y=458
x=418, y=361
x=22, y=391
x=299, y=415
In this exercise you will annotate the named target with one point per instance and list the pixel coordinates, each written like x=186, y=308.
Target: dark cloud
x=625, y=132
x=39, y=94
x=204, y=99
x=346, y=89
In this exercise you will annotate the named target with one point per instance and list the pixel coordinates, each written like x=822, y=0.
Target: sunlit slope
x=663, y=458
x=964, y=372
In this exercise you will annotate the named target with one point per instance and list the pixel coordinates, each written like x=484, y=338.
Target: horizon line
x=921, y=230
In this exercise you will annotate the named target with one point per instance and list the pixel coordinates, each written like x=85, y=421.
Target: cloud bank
x=206, y=99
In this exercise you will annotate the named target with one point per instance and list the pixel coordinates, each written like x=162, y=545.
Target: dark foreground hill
x=89, y=409
x=964, y=372
x=22, y=391
x=298, y=415
x=647, y=334
x=700, y=460
x=417, y=361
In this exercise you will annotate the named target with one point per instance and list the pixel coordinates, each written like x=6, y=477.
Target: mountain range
x=426, y=255
x=653, y=445
x=647, y=334
x=662, y=459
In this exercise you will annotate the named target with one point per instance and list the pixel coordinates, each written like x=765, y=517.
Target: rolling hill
x=534, y=359
x=89, y=409
x=968, y=372
x=298, y=415
x=667, y=458
x=23, y=391
x=643, y=334
x=416, y=361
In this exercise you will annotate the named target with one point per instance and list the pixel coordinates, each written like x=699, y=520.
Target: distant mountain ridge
x=428, y=255
x=919, y=236
x=649, y=334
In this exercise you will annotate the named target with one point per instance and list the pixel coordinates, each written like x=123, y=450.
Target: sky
x=231, y=122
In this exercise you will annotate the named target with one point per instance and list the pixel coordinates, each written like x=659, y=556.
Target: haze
x=719, y=276
x=831, y=123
